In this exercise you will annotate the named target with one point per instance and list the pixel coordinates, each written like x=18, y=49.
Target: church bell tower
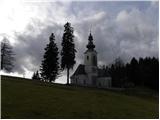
x=90, y=56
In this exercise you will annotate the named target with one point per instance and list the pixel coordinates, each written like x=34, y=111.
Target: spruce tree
x=68, y=49
x=50, y=65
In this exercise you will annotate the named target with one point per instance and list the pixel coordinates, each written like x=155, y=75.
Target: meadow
x=24, y=98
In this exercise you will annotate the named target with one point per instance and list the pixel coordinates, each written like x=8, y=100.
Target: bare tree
x=7, y=58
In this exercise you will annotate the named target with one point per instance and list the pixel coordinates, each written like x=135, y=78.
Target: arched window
x=87, y=57
x=94, y=60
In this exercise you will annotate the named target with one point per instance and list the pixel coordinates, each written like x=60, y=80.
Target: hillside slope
x=31, y=99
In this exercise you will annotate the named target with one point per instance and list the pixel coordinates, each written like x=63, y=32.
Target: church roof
x=80, y=70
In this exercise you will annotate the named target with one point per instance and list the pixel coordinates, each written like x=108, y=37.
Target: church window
x=94, y=60
x=87, y=57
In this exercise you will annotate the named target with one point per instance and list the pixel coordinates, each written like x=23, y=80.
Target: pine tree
x=50, y=65
x=68, y=49
x=7, y=58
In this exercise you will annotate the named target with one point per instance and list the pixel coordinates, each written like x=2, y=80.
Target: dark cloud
x=30, y=49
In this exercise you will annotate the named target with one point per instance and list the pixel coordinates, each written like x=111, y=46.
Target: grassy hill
x=23, y=98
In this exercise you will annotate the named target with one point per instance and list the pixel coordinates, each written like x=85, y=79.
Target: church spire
x=90, y=45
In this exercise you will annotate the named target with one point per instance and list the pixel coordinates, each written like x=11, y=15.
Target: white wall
x=90, y=55
x=87, y=80
x=91, y=69
x=79, y=80
x=104, y=82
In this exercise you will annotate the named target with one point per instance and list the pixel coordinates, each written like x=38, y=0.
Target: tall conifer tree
x=68, y=49
x=50, y=64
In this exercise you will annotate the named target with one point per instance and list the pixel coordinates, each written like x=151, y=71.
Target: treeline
x=141, y=72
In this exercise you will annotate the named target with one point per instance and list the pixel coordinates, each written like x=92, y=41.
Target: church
x=88, y=74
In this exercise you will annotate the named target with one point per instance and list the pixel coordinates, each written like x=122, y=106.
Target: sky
x=120, y=29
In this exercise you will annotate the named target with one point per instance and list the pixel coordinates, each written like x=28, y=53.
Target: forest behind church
x=137, y=72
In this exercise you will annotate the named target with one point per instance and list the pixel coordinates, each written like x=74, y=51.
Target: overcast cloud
x=119, y=29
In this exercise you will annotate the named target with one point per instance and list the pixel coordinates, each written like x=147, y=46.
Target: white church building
x=88, y=74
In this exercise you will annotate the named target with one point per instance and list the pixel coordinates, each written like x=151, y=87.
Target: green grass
x=31, y=99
